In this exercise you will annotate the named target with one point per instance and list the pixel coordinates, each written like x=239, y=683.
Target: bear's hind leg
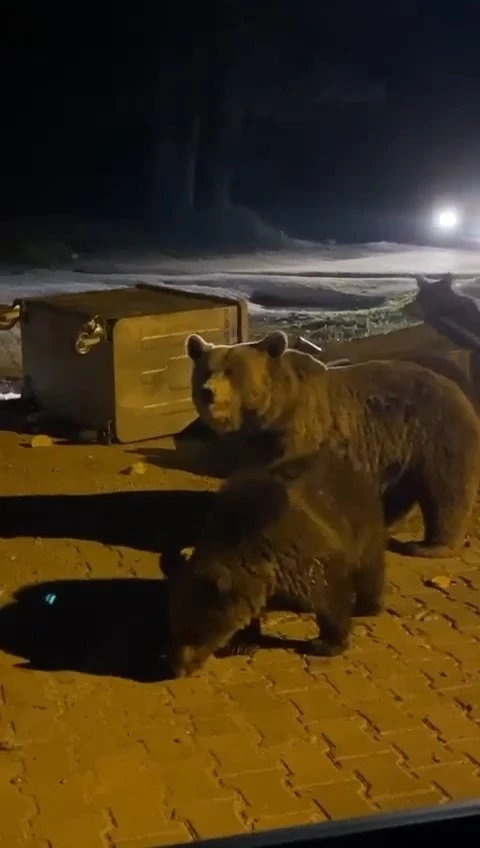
x=398, y=500
x=369, y=586
x=334, y=616
x=245, y=641
x=446, y=504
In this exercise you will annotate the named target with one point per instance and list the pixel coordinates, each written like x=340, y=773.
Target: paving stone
x=383, y=664
x=467, y=655
x=349, y=738
x=385, y=716
x=410, y=802
x=315, y=705
x=248, y=744
x=265, y=793
x=239, y=753
x=384, y=776
x=451, y=724
x=189, y=780
x=212, y=819
x=308, y=765
x=352, y=686
x=341, y=800
x=178, y=836
x=87, y=829
x=458, y=781
x=408, y=687
x=420, y=747
x=313, y=816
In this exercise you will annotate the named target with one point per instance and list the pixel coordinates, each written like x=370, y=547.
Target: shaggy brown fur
x=305, y=535
x=439, y=365
x=414, y=432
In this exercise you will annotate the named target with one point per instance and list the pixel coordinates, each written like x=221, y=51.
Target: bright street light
x=447, y=219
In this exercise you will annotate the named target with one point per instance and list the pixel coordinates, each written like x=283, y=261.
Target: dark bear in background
x=305, y=535
x=452, y=313
x=413, y=432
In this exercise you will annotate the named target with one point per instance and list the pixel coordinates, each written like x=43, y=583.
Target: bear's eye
x=228, y=371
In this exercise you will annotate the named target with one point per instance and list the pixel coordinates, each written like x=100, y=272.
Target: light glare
x=447, y=219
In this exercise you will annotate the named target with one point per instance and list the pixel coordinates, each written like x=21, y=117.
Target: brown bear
x=304, y=534
x=414, y=432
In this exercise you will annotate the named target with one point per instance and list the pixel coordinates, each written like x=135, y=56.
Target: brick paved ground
x=102, y=760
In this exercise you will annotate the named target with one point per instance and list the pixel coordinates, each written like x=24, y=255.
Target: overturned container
x=114, y=361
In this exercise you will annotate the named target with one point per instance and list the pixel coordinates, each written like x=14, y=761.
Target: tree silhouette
x=246, y=62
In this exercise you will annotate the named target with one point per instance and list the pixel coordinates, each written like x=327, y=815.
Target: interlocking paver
x=438, y=633
x=466, y=655
x=190, y=779
x=343, y=799
x=352, y=686
x=444, y=676
x=382, y=664
x=469, y=698
x=451, y=724
x=266, y=794
x=271, y=741
x=212, y=819
x=313, y=816
x=408, y=687
x=469, y=749
x=410, y=802
x=276, y=725
x=386, y=720
x=19, y=803
x=178, y=835
x=239, y=753
x=316, y=704
x=420, y=747
x=350, y=738
x=383, y=774
x=308, y=764
x=458, y=781
x=64, y=831
x=290, y=680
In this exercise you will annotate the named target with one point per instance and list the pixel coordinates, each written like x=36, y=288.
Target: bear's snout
x=207, y=396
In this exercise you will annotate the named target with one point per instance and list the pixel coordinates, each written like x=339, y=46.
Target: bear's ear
x=274, y=344
x=445, y=281
x=195, y=346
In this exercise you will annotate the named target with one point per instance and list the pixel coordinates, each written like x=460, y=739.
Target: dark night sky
x=79, y=87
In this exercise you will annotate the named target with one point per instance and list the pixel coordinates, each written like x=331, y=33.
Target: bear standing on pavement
x=413, y=432
x=304, y=534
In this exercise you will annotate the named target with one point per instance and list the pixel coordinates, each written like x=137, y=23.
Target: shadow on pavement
x=148, y=521
x=212, y=456
x=115, y=627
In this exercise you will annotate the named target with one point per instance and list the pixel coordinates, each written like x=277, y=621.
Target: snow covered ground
x=324, y=291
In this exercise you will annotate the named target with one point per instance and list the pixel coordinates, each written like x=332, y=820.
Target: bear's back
x=320, y=499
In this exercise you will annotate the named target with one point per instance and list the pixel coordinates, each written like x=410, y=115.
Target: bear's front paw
x=237, y=648
x=422, y=549
x=320, y=648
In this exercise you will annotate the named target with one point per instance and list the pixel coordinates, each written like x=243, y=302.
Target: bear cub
x=303, y=535
x=413, y=432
